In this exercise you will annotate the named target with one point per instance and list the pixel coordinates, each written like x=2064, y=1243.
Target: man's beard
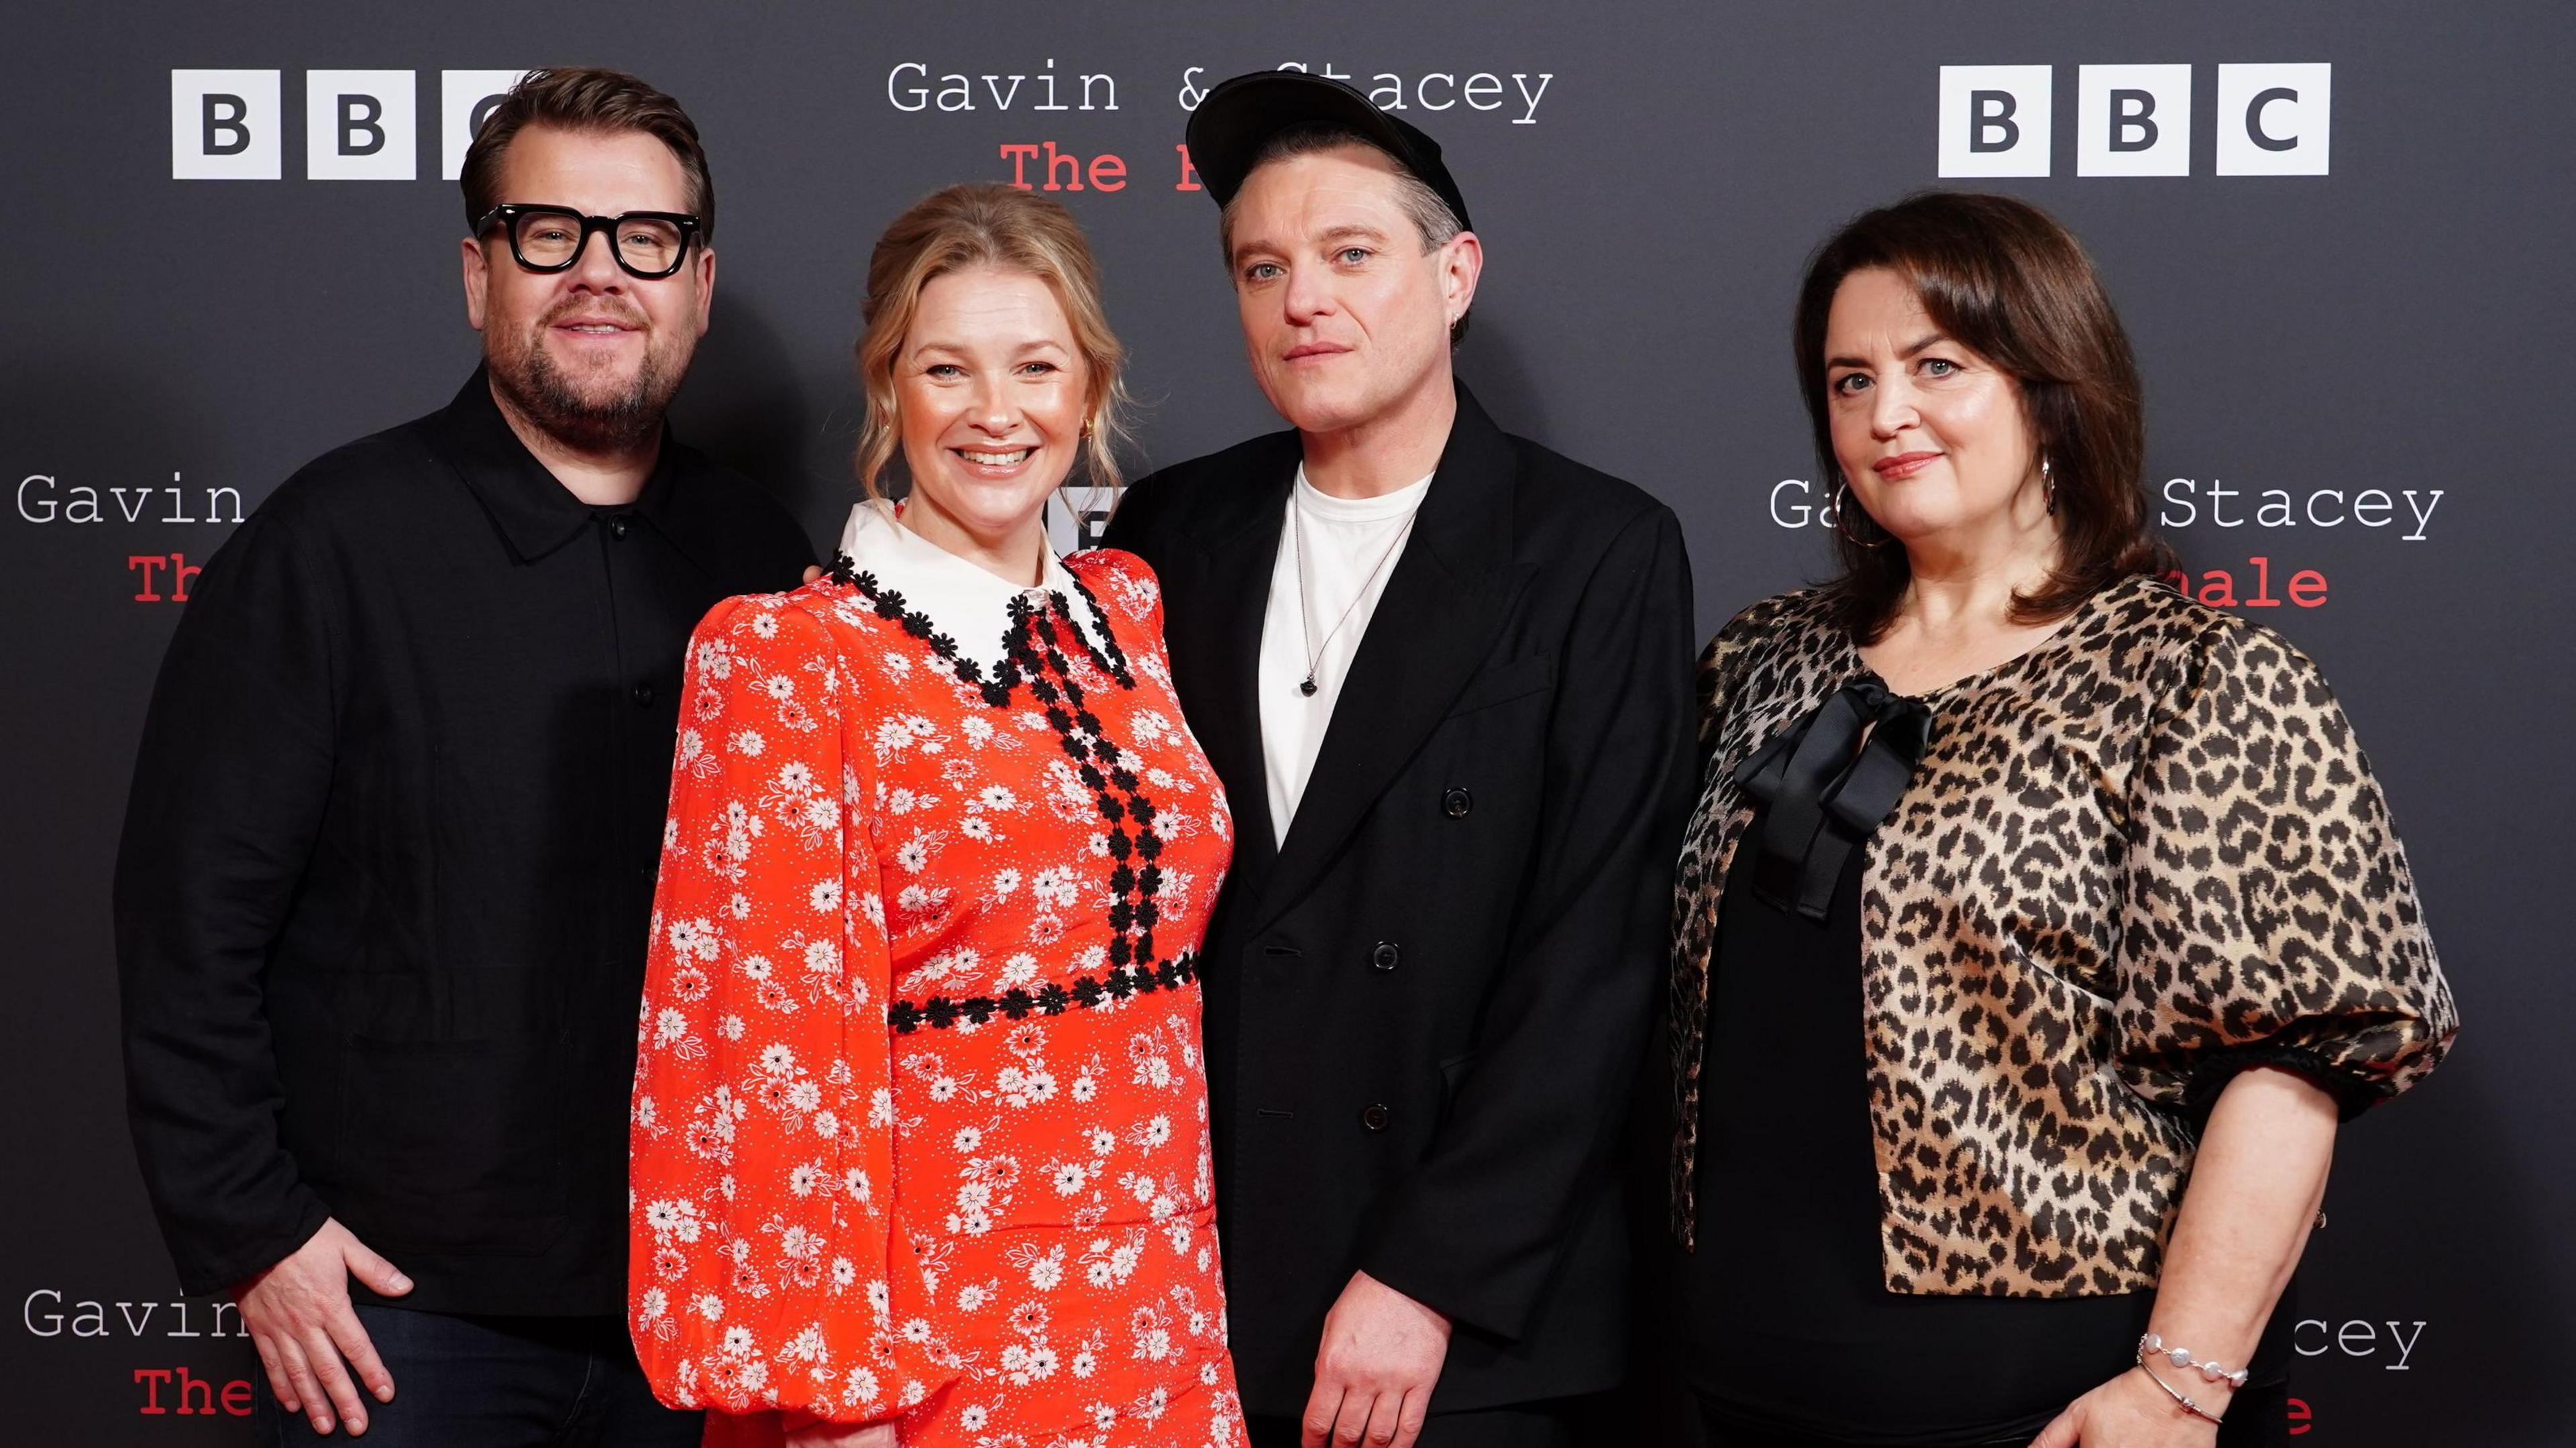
x=548, y=398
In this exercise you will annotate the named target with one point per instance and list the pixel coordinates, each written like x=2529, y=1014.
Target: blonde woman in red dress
x=920, y=1124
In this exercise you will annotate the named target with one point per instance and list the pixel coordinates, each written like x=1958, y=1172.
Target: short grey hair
x=1431, y=216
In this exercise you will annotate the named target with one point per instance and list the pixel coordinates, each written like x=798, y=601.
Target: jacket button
x=643, y=695
x=1456, y=803
x=1375, y=1116
x=1385, y=956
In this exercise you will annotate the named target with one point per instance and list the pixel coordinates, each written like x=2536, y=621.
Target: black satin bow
x=1825, y=791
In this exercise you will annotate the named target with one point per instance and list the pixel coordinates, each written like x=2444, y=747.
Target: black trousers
x=497, y=1382
x=1553, y=1424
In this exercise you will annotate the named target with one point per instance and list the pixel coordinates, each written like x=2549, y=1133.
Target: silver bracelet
x=2186, y=1404
x=2152, y=1345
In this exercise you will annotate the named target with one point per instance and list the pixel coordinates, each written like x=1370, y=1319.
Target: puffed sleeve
x=768, y=1267
x=2270, y=918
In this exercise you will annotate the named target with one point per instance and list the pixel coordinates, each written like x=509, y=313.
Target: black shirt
x=1792, y=1333
x=387, y=869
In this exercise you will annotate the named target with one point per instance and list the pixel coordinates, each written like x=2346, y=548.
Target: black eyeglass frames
x=648, y=245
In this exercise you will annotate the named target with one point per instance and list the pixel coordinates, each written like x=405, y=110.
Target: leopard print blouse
x=2132, y=862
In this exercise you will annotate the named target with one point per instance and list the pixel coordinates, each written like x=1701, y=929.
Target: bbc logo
x=2135, y=120
x=359, y=125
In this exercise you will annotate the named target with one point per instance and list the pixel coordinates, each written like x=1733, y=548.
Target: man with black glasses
x=387, y=871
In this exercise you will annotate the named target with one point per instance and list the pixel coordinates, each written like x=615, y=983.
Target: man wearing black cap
x=1444, y=674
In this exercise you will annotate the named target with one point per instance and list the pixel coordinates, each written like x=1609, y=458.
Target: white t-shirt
x=1344, y=540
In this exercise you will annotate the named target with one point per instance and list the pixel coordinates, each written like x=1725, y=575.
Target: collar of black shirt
x=535, y=512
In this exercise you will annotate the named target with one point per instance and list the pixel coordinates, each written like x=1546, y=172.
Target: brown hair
x=985, y=223
x=591, y=100
x=2000, y=277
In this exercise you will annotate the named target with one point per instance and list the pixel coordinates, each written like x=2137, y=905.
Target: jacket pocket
x=1504, y=683
x=452, y=1146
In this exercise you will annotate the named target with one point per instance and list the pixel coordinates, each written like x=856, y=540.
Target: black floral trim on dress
x=889, y=604
x=941, y=1012
x=1031, y=654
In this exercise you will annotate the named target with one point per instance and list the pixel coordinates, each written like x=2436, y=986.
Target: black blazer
x=1425, y=1011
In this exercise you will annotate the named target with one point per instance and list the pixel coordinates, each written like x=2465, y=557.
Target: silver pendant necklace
x=1297, y=554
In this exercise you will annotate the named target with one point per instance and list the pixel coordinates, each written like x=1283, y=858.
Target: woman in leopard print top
x=2135, y=929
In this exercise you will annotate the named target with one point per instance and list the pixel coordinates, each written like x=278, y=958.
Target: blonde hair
x=985, y=223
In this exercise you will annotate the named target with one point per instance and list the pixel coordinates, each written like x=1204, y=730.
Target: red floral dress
x=920, y=1119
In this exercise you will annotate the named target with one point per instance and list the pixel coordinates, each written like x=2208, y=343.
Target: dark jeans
x=1553, y=1424
x=498, y=1382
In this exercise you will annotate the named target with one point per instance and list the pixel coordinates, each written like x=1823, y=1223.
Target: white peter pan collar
x=961, y=599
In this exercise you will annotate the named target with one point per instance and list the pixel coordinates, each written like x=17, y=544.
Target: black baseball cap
x=1237, y=117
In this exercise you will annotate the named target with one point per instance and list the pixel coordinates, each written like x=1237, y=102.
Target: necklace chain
x=1305, y=619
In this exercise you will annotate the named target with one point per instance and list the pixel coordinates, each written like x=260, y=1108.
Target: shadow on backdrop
x=744, y=404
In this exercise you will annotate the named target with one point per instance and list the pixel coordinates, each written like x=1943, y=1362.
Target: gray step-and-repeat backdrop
x=2338, y=233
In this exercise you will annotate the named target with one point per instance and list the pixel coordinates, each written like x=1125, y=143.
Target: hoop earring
x=2048, y=485
x=1841, y=504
